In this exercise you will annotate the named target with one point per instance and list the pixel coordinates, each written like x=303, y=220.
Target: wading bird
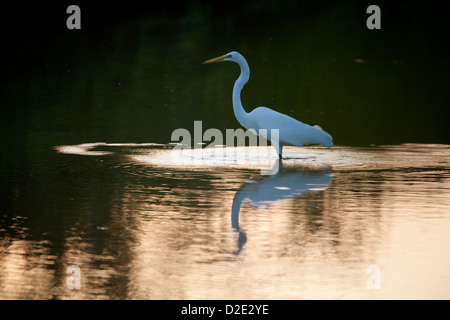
x=290, y=131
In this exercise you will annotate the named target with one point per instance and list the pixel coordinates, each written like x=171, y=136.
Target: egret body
x=290, y=131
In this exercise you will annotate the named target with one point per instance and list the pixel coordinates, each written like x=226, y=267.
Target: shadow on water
x=280, y=185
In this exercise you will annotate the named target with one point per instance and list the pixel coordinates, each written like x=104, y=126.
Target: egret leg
x=279, y=149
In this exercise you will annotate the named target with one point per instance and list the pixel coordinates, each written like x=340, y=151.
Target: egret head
x=231, y=56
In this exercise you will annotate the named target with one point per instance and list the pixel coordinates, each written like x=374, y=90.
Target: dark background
x=405, y=101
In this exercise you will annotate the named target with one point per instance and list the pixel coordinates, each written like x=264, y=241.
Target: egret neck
x=239, y=111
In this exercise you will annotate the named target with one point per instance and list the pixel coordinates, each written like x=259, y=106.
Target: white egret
x=290, y=131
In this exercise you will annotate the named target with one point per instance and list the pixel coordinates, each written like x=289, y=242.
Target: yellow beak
x=218, y=59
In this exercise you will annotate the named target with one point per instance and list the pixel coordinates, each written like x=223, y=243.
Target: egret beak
x=218, y=59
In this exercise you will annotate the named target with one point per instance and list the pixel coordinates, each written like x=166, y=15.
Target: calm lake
x=96, y=204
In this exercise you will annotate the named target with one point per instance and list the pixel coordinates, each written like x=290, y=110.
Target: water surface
x=138, y=229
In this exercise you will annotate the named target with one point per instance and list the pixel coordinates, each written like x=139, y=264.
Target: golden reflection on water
x=310, y=230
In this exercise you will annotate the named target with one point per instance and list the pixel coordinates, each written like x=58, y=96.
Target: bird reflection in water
x=278, y=185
